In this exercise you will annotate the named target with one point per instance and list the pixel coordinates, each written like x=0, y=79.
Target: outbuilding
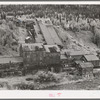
x=75, y=54
x=85, y=69
x=91, y=58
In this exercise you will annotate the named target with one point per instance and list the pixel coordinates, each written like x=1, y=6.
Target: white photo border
x=44, y=94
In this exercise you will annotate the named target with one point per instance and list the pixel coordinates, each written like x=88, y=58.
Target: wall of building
x=85, y=72
x=40, y=58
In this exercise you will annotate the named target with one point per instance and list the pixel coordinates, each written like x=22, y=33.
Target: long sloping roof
x=54, y=35
x=49, y=33
x=46, y=34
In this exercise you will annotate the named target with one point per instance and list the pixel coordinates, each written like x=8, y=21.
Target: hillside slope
x=82, y=40
x=10, y=35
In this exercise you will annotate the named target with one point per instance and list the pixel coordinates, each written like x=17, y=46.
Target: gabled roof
x=86, y=64
x=91, y=57
x=75, y=53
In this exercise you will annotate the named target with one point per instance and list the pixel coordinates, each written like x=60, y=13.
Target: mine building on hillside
x=85, y=69
x=91, y=58
x=38, y=55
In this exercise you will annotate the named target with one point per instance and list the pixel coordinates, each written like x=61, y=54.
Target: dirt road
x=81, y=85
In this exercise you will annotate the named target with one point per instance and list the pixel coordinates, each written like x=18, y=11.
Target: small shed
x=85, y=69
x=91, y=58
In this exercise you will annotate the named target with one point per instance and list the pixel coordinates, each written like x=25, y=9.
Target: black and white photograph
x=49, y=47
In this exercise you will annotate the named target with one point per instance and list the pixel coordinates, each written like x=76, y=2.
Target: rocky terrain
x=10, y=36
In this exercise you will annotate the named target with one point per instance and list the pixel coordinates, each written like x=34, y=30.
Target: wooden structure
x=38, y=55
x=32, y=54
x=52, y=56
x=75, y=54
x=49, y=33
x=85, y=69
x=91, y=58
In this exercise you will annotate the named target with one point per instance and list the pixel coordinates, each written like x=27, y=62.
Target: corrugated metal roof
x=91, y=57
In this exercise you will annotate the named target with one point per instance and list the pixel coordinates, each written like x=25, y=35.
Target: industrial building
x=39, y=55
